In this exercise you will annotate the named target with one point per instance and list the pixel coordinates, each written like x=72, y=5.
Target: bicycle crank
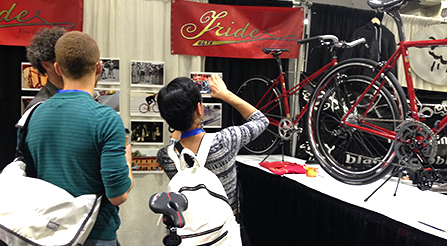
x=286, y=128
x=415, y=144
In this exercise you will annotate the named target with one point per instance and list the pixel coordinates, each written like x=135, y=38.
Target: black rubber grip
x=307, y=40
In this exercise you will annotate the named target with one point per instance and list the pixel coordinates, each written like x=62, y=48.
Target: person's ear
x=199, y=109
x=99, y=67
x=57, y=69
x=49, y=67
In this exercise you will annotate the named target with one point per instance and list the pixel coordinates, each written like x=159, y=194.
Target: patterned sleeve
x=165, y=162
x=235, y=137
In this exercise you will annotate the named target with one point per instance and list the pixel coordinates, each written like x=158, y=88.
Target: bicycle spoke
x=258, y=91
x=350, y=153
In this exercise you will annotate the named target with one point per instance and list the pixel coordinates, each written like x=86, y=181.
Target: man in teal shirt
x=78, y=144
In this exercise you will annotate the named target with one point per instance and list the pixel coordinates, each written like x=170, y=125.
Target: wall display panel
x=147, y=132
x=213, y=115
x=147, y=74
x=109, y=97
x=139, y=105
x=110, y=74
x=32, y=79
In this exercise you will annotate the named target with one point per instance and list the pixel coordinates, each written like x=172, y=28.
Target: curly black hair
x=42, y=45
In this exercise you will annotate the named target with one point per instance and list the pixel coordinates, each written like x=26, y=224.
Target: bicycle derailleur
x=416, y=146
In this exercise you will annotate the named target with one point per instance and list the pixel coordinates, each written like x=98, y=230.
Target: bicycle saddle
x=171, y=205
x=384, y=5
x=274, y=51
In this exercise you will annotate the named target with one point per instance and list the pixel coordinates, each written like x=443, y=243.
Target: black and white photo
x=146, y=73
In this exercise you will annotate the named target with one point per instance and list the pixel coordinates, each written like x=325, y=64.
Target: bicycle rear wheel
x=348, y=154
x=144, y=108
x=256, y=92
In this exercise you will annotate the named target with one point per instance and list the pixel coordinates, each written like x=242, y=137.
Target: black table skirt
x=280, y=211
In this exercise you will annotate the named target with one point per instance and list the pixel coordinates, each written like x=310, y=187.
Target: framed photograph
x=25, y=101
x=146, y=132
x=32, y=79
x=201, y=79
x=143, y=103
x=213, y=115
x=145, y=164
x=109, y=97
x=146, y=74
x=110, y=71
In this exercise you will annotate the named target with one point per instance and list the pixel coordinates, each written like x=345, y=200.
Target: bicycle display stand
x=281, y=143
x=399, y=169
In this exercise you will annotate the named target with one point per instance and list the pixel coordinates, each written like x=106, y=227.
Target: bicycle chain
x=391, y=163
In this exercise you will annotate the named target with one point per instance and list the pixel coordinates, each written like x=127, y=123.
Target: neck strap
x=66, y=91
x=192, y=132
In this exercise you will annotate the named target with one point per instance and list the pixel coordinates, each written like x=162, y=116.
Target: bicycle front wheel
x=258, y=92
x=155, y=107
x=349, y=154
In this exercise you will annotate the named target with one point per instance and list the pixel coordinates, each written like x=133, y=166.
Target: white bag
x=209, y=218
x=36, y=212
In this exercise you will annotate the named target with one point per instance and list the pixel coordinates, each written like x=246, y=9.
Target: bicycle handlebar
x=332, y=40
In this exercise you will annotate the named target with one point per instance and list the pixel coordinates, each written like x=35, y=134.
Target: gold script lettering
x=5, y=16
x=210, y=18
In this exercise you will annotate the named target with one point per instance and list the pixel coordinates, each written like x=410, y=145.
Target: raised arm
x=219, y=90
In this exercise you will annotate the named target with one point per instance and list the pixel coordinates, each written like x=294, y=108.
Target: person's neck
x=83, y=84
x=193, y=142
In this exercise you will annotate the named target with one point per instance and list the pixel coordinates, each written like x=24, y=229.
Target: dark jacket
x=380, y=43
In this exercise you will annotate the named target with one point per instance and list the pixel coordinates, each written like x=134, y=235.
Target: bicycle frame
x=285, y=94
x=401, y=51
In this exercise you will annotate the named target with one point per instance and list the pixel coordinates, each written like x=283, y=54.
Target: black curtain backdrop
x=235, y=70
x=11, y=58
x=328, y=19
x=336, y=20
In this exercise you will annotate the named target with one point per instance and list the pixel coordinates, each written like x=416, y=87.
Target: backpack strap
x=22, y=124
x=201, y=156
x=204, y=149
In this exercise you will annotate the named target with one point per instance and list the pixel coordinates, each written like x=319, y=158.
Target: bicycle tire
x=155, y=107
x=350, y=155
x=252, y=91
x=144, y=108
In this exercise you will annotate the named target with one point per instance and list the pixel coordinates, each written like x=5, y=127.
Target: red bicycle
x=272, y=96
x=359, y=132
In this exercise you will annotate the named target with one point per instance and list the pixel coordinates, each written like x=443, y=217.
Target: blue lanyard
x=65, y=91
x=192, y=132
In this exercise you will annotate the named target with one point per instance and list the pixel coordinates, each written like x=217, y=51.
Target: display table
x=297, y=210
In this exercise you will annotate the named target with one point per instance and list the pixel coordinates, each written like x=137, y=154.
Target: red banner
x=19, y=20
x=202, y=29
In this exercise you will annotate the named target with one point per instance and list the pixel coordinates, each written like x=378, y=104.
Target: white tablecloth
x=410, y=206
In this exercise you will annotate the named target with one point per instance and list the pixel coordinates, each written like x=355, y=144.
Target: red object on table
x=284, y=167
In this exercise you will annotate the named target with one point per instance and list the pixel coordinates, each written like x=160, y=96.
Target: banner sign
x=201, y=29
x=20, y=20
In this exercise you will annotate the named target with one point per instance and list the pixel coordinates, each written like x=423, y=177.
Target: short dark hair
x=177, y=102
x=42, y=45
x=77, y=54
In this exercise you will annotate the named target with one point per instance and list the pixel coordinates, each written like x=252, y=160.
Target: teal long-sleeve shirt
x=79, y=145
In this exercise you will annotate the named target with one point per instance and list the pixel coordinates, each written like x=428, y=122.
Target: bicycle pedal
x=298, y=129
